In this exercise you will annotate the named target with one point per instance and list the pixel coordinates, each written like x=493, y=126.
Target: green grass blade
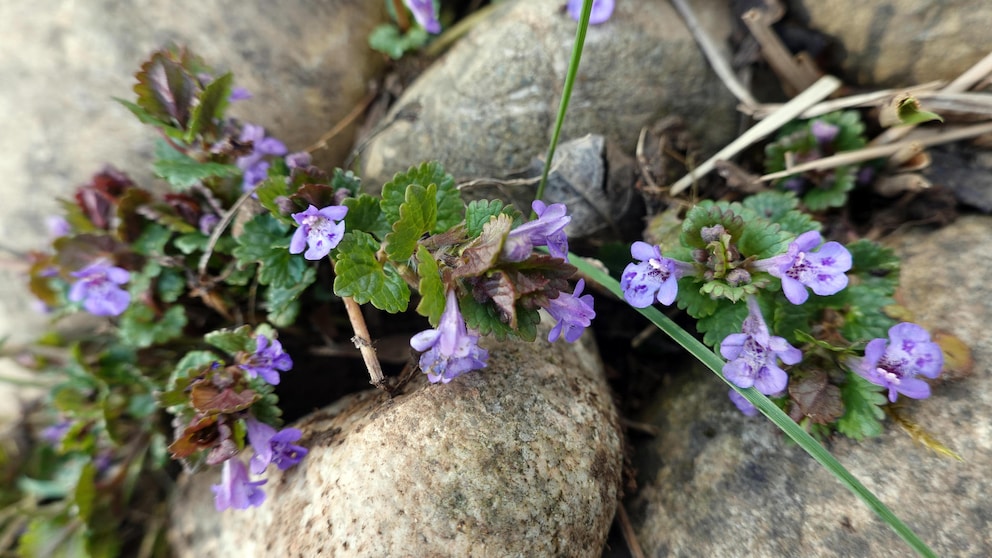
x=566, y=93
x=787, y=425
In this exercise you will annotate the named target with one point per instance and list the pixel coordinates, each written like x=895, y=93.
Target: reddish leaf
x=815, y=398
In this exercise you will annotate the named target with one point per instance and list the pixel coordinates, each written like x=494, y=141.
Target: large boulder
x=489, y=104
x=522, y=458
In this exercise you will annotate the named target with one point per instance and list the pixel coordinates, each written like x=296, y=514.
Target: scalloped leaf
x=450, y=209
x=485, y=319
x=833, y=194
x=365, y=214
x=269, y=192
x=431, y=287
x=182, y=171
x=707, y=214
x=232, y=341
x=361, y=276
x=165, y=87
x=282, y=303
x=478, y=213
x=209, y=110
x=875, y=265
x=863, y=413
x=694, y=302
x=418, y=215
x=782, y=208
x=141, y=327
x=265, y=240
x=347, y=180
x=728, y=318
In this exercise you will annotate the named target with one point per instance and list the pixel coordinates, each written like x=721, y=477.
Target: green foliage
x=140, y=326
x=781, y=208
x=182, y=171
x=450, y=209
x=863, y=414
x=265, y=240
x=269, y=192
x=346, y=180
x=387, y=39
x=209, y=108
x=417, y=216
x=361, y=276
x=727, y=319
x=282, y=301
x=232, y=341
x=365, y=214
x=432, y=296
x=478, y=213
x=486, y=319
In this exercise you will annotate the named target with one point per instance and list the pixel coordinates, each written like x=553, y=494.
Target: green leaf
x=361, y=276
x=152, y=241
x=171, y=285
x=781, y=208
x=140, y=327
x=166, y=88
x=386, y=38
x=53, y=537
x=909, y=112
x=727, y=319
x=863, y=413
x=478, y=213
x=271, y=190
x=418, y=215
x=485, y=318
x=364, y=214
x=146, y=117
x=283, y=302
x=875, y=265
x=85, y=492
x=210, y=108
x=432, y=296
x=183, y=172
x=265, y=241
x=282, y=269
x=347, y=180
x=831, y=192
x=692, y=301
x=192, y=242
x=450, y=208
x=232, y=341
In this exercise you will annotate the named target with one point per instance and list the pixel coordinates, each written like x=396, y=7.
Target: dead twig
x=788, y=112
x=363, y=342
x=871, y=99
x=797, y=73
x=628, y=532
x=344, y=122
x=880, y=151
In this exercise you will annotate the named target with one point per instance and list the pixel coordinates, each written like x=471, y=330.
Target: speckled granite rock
x=896, y=43
x=521, y=459
x=713, y=471
x=489, y=105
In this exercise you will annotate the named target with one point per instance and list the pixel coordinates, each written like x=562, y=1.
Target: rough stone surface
x=489, y=105
x=521, y=459
x=306, y=62
x=896, y=43
x=713, y=471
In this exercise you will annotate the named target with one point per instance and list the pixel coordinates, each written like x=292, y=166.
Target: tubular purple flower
x=254, y=165
x=653, y=277
x=822, y=271
x=547, y=230
x=895, y=364
x=423, y=12
x=235, y=489
x=573, y=313
x=601, y=10
x=320, y=229
x=267, y=361
x=98, y=288
x=752, y=355
x=823, y=131
x=451, y=349
x=742, y=404
x=273, y=447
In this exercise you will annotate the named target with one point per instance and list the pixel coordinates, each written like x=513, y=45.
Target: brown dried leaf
x=816, y=398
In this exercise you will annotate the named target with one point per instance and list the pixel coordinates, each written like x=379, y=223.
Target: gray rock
x=489, y=105
x=712, y=471
x=897, y=43
x=520, y=459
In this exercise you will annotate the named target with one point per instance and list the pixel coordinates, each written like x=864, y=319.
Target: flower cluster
x=894, y=363
x=572, y=312
x=320, y=231
x=98, y=287
x=255, y=165
x=754, y=353
x=823, y=271
x=654, y=277
x=267, y=361
x=547, y=230
x=451, y=349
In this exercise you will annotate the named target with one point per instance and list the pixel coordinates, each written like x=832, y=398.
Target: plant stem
x=566, y=94
x=363, y=342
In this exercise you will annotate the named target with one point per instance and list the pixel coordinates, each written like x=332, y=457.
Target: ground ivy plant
x=189, y=290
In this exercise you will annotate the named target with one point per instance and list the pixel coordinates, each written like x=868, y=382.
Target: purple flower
x=547, y=230
x=55, y=433
x=298, y=160
x=800, y=267
x=895, y=364
x=207, y=222
x=423, y=12
x=654, y=276
x=267, y=361
x=235, y=489
x=601, y=10
x=320, y=229
x=752, y=355
x=58, y=226
x=254, y=165
x=824, y=132
x=273, y=447
x=742, y=404
x=573, y=313
x=98, y=288
x=450, y=350
x=239, y=93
